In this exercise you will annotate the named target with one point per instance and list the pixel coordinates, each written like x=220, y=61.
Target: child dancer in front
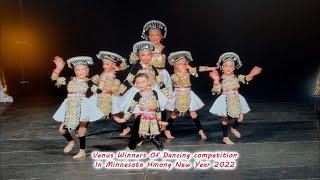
x=77, y=110
x=185, y=99
x=109, y=88
x=230, y=104
x=146, y=109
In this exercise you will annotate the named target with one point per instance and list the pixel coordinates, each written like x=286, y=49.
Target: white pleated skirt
x=115, y=102
x=219, y=107
x=195, y=102
x=89, y=111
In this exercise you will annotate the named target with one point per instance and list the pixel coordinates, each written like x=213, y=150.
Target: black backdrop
x=280, y=36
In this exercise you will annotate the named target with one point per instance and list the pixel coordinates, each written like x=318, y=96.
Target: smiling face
x=228, y=67
x=81, y=71
x=142, y=83
x=108, y=66
x=181, y=66
x=145, y=56
x=155, y=36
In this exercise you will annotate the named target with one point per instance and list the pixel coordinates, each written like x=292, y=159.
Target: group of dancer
x=149, y=93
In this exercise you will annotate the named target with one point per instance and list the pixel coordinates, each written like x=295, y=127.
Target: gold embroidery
x=158, y=60
x=94, y=88
x=105, y=103
x=193, y=71
x=54, y=76
x=233, y=105
x=109, y=83
x=148, y=122
x=130, y=78
x=61, y=81
x=77, y=87
x=181, y=79
x=133, y=58
x=122, y=88
x=123, y=66
x=73, y=110
x=158, y=79
x=242, y=78
x=148, y=127
x=115, y=84
x=182, y=97
x=231, y=84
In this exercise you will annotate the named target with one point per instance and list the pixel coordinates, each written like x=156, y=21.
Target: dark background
x=280, y=36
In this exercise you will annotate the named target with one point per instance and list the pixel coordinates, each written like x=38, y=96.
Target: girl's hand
x=215, y=76
x=58, y=85
x=58, y=61
x=255, y=71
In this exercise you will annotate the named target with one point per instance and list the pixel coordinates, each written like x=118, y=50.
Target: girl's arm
x=58, y=61
x=254, y=71
x=128, y=82
x=133, y=105
x=206, y=68
x=216, y=87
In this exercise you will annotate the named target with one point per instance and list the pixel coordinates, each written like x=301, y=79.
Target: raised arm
x=206, y=68
x=58, y=61
x=216, y=87
x=254, y=71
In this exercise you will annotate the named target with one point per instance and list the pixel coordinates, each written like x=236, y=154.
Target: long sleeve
x=133, y=104
x=158, y=78
x=242, y=78
x=193, y=71
x=89, y=92
x=59, y=80
x=158, y=111
x=128, y=83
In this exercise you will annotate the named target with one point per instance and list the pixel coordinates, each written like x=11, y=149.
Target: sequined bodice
x=77, y=87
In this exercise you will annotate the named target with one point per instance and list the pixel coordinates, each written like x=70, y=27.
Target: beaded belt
x=231, y=91
x=182, y=88
x=73, y=94
x=148, y=114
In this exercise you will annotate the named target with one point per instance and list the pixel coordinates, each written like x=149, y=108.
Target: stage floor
x=280, y=140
